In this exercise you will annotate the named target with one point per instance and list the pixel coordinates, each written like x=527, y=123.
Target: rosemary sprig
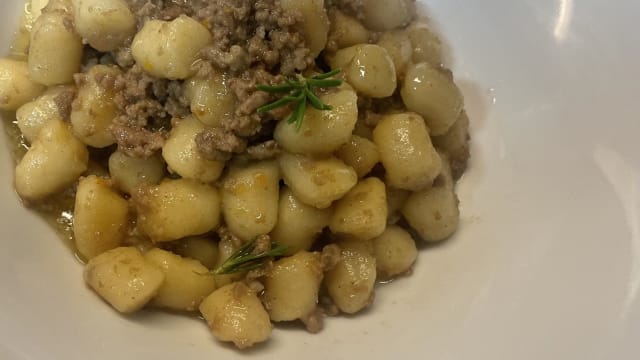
x=300, y=92
x=244, y=259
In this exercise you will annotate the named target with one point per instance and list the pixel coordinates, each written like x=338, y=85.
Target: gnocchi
x=362, y=212
x=55, y=160
x=93, y=109
x=210, y=98
x=368, y=68
x=235, y=314
x=32, y=116
x=168, y=49
x=406, y=151
x=181, y=154
x=315, y=22
x=433, y=213
x=104, y=24
x=250, y=198
x=101, y=217
x=262, y=163
x=16, y=87
x=177, y=209
x=123, y=278
x=55, y=49
x=431, y=93
x=351, y=282
x=187, y=282
x=291, y=288
x=317, y=182
x=322, y=132
x=299, y=224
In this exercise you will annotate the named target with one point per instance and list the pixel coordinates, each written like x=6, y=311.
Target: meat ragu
x=274, y=157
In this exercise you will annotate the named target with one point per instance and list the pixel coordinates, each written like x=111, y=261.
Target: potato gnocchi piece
x=433, y=213
x=427, y=47
x=181, y=153
x=250, y=198
x=317, y=182
x=432, y=93
x=322, y=132
x=351, y=282
x=100, y=217
x=315, y=22
x=129, y=173
x=235, y=314
x=361, y=154
x=198, y=248
x=32, y=116
x=362, y=212
x=123, y=278
x=168, y=49
x=55, y=49
x=406, y=151
x=94, y=109
x=16, y=87
x=55, y=160
x=176, y=209
x=368, y=68
x=210, y=99
x=383, y=15
x=400, y=49
x=291, y=287
x=347, y=31
x=104, y=24
x=395, y=252
x=187, y=282
x=298, y=224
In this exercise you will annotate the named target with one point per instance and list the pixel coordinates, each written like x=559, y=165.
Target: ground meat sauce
x=253, y=41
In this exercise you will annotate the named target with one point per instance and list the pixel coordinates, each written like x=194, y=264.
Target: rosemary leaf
x=244, y=260
x=300, y=91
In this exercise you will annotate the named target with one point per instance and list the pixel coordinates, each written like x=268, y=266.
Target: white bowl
x=546, y=265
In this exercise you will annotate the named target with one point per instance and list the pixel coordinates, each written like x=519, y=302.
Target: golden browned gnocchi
x=368, y=68
x=235, y=314
x=176, y=209
x=362, y=212
x=430, y=92
x=16, y=86
x=32, y=116
x=93, y=109
x=55, y=48
x=406, y=151
x=169, y=49
x=322, y=132
x=264, y=163
x=101, y=217
x=250, y=198
x=181, y=154
x=317, y=182
x=291, y=288
x=351, y=282
x=299, y=224
x=187, y=282
x=55, y=160
x=123, y=278
x=104, y=24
